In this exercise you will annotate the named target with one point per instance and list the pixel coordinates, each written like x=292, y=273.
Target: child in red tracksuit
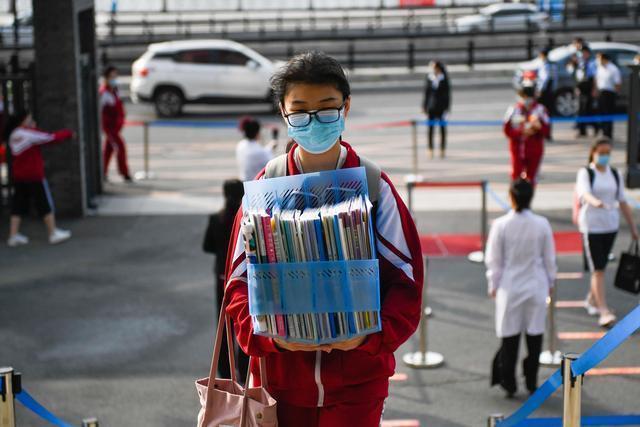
x=345, y=383
x=113, y=114
x=27, y=175
x=526, y=125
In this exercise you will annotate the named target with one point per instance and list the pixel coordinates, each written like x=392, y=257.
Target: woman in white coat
x=521, y=270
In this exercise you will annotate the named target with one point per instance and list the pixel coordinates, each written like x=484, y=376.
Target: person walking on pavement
x=608, y=84
x=346, y=382
x=546, y=84
x=600, y=191
x=437, y=102
x=113, y=116
x=526, y=125
x=584, y=69
x=251, y=155
x=216, y=242
x=521, y=270
x=28, y=177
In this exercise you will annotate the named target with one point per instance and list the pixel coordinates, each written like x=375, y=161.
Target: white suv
x=172, y=74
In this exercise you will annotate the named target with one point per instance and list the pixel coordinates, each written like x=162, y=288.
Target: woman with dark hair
x=521, y=270
x=113, y=116
x=216, y=242
x=600, y=192
x=437, y=101
x=29, y=184
x=346, y=382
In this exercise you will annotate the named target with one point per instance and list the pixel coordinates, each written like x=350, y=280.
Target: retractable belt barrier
x=591, y=358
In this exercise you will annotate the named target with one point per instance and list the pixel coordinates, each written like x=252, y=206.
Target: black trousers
x=607, y=105
x=585, y=106
x=504, y=363
x=437, y=115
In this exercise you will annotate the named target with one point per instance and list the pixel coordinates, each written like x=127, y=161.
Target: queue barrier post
x=414, y=146
x=145, y=173
x=572, y=393
x=9, y=382
x=552, y=356
x=90, y=422
x=493, y=420
x=423, y=359
x=478, y=256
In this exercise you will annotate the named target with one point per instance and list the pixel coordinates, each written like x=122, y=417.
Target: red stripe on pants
x=113, y=141
x=364, y=414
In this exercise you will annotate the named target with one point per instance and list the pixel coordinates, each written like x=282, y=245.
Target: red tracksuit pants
x=114, y=142
x=526, y=158
x=366, y=414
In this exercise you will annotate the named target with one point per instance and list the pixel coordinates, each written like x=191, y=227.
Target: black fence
x=18, y=91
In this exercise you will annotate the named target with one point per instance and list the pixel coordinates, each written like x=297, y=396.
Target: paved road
x=118, y=322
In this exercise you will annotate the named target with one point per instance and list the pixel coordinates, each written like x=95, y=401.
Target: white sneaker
x=59, y=236
x=606, y=319
x=17, y=240
x=592, y=310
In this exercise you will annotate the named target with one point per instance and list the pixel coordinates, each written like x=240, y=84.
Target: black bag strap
x=616, y=176
x=633, y=248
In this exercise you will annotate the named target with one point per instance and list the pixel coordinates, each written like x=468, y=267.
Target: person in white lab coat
x=521, y=270
x=600, y=191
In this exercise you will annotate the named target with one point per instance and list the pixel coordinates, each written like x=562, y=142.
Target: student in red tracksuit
x=29, y=184
x=345, y=383
x=113, y=114
x=526, y=125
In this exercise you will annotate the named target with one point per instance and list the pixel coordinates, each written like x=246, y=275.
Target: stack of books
x=312, y=269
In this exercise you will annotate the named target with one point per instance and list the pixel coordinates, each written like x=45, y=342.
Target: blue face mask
x=113, y=82
x=603, y=159
x=317, y=137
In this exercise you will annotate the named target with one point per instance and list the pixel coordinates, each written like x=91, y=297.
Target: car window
x=164, y=55
x=229, y=57
x=200, y=56
x=511, y=12
x=624, y=57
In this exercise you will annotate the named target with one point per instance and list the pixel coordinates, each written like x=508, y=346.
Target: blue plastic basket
x=319, y=301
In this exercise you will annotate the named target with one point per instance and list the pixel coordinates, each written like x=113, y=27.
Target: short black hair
x=605, y=56
x=313, y=67
x=15, y=120
x=108, y=70
x=250, y=127
x=527, y=90
x=521, y=191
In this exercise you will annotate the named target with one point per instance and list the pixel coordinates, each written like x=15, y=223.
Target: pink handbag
x=224, y=402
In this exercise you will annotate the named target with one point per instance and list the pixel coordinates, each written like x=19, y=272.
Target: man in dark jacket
x=437, y=100
x=216, y=241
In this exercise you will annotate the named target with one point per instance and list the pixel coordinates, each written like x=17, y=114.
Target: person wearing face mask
x=546, y=83
x=608, y=85
x=437, y=101
x=600, y=191
x=584, y=72
x=526, y=125
x=113, y=116
x=343, y=383
x=28, y=176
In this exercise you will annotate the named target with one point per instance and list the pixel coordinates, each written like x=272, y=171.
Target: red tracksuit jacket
x=26, y=161
x=112, y=109
x=315, y=379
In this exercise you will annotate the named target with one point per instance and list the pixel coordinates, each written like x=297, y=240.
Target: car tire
x=565, y=103
x=168, y=102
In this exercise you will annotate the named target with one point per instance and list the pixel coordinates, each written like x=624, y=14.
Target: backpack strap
x=276, y=167
x=616, y=176
x=373, y=172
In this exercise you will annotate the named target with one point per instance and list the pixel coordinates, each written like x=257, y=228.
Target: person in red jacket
x=113, y=115
x=28, y=178
x=345, y=383
x=526, y=125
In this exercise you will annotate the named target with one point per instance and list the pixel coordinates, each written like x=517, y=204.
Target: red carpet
x=453, y=245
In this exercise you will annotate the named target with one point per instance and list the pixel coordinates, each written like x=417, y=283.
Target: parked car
x=176, y=73
x=503, y=17
x=566, y=103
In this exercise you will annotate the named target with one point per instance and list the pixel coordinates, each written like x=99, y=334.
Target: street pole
x=414, y=146
x=551, y=357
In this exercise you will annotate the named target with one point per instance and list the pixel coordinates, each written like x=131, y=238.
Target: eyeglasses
x=303, y=118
